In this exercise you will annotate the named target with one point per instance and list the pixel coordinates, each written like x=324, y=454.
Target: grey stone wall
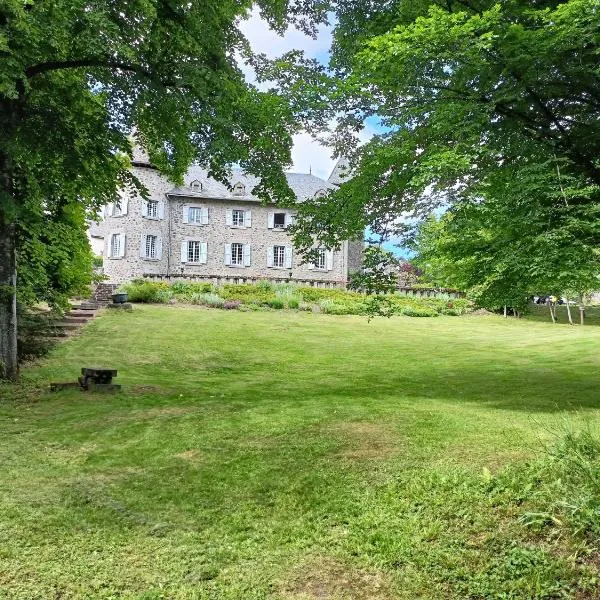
x=173, y=231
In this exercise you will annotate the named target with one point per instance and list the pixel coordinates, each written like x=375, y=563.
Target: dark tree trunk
x=9, y=368
x=8, y=302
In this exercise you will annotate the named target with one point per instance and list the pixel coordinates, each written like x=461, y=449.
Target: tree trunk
x=505, y=312
x=8, y=302
x=569, y=311
x=551, y=312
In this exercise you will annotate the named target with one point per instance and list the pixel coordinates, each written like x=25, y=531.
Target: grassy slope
x=288, y=455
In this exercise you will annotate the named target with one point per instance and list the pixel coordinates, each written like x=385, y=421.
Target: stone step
x=86, y=314
x=64, y=325
x=85, y=306
x=70, y=318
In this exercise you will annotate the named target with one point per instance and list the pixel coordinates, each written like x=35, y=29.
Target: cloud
x=307, y=153
x=262, y=39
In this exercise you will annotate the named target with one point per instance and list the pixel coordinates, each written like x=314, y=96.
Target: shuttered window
x=115, y=245
x=237, y=254
x=321, y=258
x=151, y=246
x=279, y=256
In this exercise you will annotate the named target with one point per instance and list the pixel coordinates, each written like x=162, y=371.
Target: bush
x=330, y=307
x=143, y=291
x=275, y=303
x=185, y=290
x=415, y=311
x=36, y=331
x=207, y=299
x=231, y=304
x=265, y=286
x=293, y=303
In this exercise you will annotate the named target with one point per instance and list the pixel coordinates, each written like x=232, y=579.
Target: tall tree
x=464, y=89
x=77, y=75
x=528, y=231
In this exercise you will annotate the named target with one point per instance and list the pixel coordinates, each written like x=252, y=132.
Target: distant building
x=206, y=231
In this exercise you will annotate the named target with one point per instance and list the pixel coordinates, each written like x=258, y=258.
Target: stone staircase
x=103, y=293
x=79, y=315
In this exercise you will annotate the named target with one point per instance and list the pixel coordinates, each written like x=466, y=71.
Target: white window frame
x=117, y=209
x=323, y=260
x=247, y=218
x=237, y=254
x=239, y=189
x=202, y=212
x=239, y=216
x=202, y=252
x=144, y=254
x=229, y=255
x=279, y=257
x=151, y=241
x=152, y=209
x=116, y=251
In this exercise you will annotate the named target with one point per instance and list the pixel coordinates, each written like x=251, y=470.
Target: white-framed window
x=239, y=189
x=321, y=258
x=237, y=217
x=320, y=193
x=153, y=209
x=279, y=220
x=150, y=246
x=194, y=252
x=237, y=255
x=118, y=208
x=279, y=256
x=115, y=245
x=195, y=215
x=196, y=186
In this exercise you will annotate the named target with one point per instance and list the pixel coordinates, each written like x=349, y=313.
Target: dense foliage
x=481, y=101
x=265, y=295
x=537, y=235
x=76, y=77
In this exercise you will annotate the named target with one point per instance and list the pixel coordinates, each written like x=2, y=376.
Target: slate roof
x=302, y=184
x=341, y=172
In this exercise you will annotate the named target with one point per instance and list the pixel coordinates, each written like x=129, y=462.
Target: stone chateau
x=206, y=231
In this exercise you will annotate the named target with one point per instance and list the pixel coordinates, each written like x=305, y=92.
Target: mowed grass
x=294, y=456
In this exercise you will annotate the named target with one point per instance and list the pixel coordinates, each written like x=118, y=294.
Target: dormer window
x=239, y=189
x=321, y=194
x=196, y=186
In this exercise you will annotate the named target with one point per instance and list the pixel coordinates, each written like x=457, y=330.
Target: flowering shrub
x=231, y=304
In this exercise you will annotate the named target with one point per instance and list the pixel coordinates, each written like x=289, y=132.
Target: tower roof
x=341, y=172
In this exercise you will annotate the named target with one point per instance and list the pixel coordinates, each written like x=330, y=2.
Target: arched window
x=196, y=186
x=239, y=189
x=320, y=193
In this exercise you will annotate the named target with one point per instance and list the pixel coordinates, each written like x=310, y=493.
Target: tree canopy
x=77, y=75
x=473, y=95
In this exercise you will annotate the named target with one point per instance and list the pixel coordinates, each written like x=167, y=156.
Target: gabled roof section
x=303, y=185
x=341, y=172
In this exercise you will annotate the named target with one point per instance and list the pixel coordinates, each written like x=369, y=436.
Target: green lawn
x=296, y=456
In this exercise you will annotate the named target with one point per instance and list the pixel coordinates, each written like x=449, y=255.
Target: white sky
x=307, y=154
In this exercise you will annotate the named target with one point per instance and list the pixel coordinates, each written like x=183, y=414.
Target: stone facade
x=197, y=231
